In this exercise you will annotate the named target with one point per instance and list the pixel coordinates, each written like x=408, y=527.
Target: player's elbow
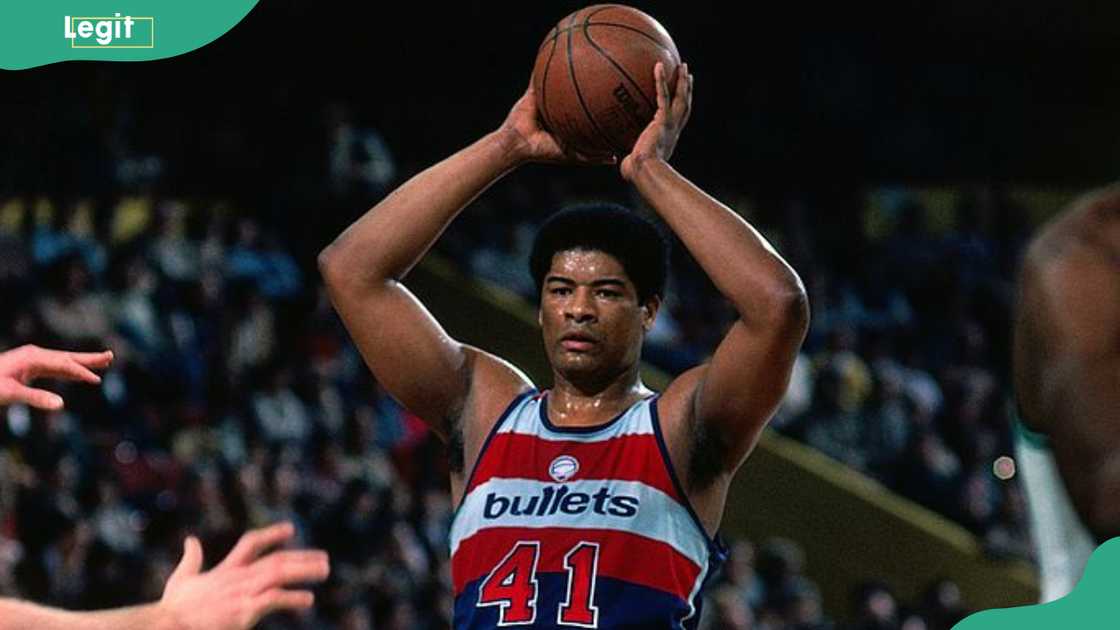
x=785, y=306
x=329, y=263
x=346, y=272
x=797, y=303
x=336, y=264
x=796, y=311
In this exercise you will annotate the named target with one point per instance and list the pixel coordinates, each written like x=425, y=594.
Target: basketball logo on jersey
x=563, y=468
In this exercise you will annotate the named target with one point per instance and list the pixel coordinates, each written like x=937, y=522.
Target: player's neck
x=571, y=404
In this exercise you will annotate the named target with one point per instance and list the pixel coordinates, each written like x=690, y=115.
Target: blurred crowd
x=904, y=375
x=765, y=588
x=235, y=400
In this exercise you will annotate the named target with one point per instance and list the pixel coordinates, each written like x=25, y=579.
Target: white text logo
x=110, y=32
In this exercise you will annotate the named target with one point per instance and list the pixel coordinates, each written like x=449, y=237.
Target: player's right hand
x=244, y=587
x=659, y=138
x=533, y=143
x=22, y=365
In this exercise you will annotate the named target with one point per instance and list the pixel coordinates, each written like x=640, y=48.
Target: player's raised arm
x=247, y=585
x=408, y=351
x=1067, y=353
x=730, y=398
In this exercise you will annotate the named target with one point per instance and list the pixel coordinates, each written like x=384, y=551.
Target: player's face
x=590, y=317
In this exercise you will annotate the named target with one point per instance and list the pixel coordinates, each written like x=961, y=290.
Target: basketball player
x=234, y=595
x=1067, y=384
x=592, y=504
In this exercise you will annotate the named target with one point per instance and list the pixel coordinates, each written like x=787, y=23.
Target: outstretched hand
x=245, y=586
x=660, y=136
x=533, y=143
x=20, y=366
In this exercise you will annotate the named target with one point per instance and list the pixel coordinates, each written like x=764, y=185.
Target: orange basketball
x=594, y=77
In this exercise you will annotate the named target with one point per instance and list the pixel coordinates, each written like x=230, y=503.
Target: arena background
x=898, y=157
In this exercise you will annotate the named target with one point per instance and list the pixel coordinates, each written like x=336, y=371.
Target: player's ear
x=649, y=311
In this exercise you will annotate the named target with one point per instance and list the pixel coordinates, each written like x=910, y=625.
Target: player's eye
x=560, y=291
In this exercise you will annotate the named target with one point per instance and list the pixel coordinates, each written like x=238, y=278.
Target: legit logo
x=110, y=32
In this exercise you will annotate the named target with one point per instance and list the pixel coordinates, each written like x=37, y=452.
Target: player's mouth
x=578, y=342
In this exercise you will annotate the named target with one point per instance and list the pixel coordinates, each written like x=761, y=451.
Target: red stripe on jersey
x=622, y=555
x=625, y=458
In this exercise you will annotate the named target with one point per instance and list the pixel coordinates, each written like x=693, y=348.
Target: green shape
x=1092, y=604
x=48, y=31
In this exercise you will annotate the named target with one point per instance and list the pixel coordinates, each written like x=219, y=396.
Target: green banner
x=1092, y=604
x=40, y=32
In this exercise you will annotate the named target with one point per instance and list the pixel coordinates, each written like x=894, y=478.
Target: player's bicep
x=408, y=351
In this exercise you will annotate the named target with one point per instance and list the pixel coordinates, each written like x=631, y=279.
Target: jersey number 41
x=512, y=586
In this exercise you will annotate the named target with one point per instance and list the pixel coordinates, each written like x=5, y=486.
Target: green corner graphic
x=49, y=31
x=1092, y=604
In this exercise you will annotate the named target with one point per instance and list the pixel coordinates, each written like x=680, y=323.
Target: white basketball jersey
x=1062, y=542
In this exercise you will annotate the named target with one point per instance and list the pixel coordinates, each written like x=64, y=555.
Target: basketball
x=593, y=77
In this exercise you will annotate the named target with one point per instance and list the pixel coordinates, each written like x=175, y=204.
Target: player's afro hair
x=630, y=238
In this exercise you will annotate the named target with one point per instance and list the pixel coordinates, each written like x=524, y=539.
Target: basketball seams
x=639, y=31
x=617, y=66
x=641, y=17
x=656, y=42
x=552, y=36
x=598, y=9
x=544, y=83
x=579, y=93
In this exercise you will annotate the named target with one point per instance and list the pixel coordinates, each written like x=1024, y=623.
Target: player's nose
x=581, y=308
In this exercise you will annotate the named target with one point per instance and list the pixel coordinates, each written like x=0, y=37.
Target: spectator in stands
x=804, y=609
x=876, y=607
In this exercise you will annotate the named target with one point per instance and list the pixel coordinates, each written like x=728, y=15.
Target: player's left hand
x=660, y=136
x=249, y=584
x=20, y=366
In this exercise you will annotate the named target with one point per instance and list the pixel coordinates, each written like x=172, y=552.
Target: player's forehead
x=586, y=265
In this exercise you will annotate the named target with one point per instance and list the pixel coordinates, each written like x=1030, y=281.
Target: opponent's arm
x=234, y=595
x=1067, y=353
x=735, y=394
x=408, y=351
x=18, y=615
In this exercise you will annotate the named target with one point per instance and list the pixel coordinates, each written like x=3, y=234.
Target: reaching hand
x=245, y=586
x=20, y=366
x=660, y=136
x=534, y=143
